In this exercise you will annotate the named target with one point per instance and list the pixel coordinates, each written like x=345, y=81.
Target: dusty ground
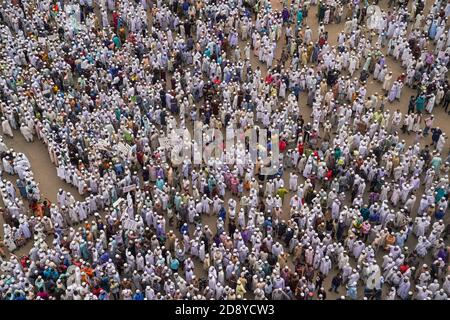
x=49, y=183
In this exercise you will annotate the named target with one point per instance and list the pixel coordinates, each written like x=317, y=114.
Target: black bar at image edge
x=244, y=309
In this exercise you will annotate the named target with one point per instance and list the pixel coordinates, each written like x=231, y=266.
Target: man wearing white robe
x=7, y=166
x=26, y=132
x=403, y=288
x=6, y=128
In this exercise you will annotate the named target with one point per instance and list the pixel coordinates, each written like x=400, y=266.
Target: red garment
x=402, y=78
x=131, y=38
x=96, y=291
x=140, y=157
x=115, y=17
x=23, y=261
x=43, y=295
x=300, y=148
x=403, y=268
x=282, y=145
x=322, y=41
x=77, y=263
x=269, y=79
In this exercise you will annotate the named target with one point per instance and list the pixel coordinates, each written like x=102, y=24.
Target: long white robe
x=27, y=133
x=403, y=289
x=6, y=127
x=7, y=166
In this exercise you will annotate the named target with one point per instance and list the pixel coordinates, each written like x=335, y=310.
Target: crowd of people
x=352, y=211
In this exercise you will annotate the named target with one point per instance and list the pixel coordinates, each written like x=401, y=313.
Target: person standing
x=336, y=283
x=428, y=125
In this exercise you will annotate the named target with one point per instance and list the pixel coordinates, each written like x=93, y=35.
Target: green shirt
x=281, y=192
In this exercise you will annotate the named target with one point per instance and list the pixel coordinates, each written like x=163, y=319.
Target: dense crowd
x=350, y=207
